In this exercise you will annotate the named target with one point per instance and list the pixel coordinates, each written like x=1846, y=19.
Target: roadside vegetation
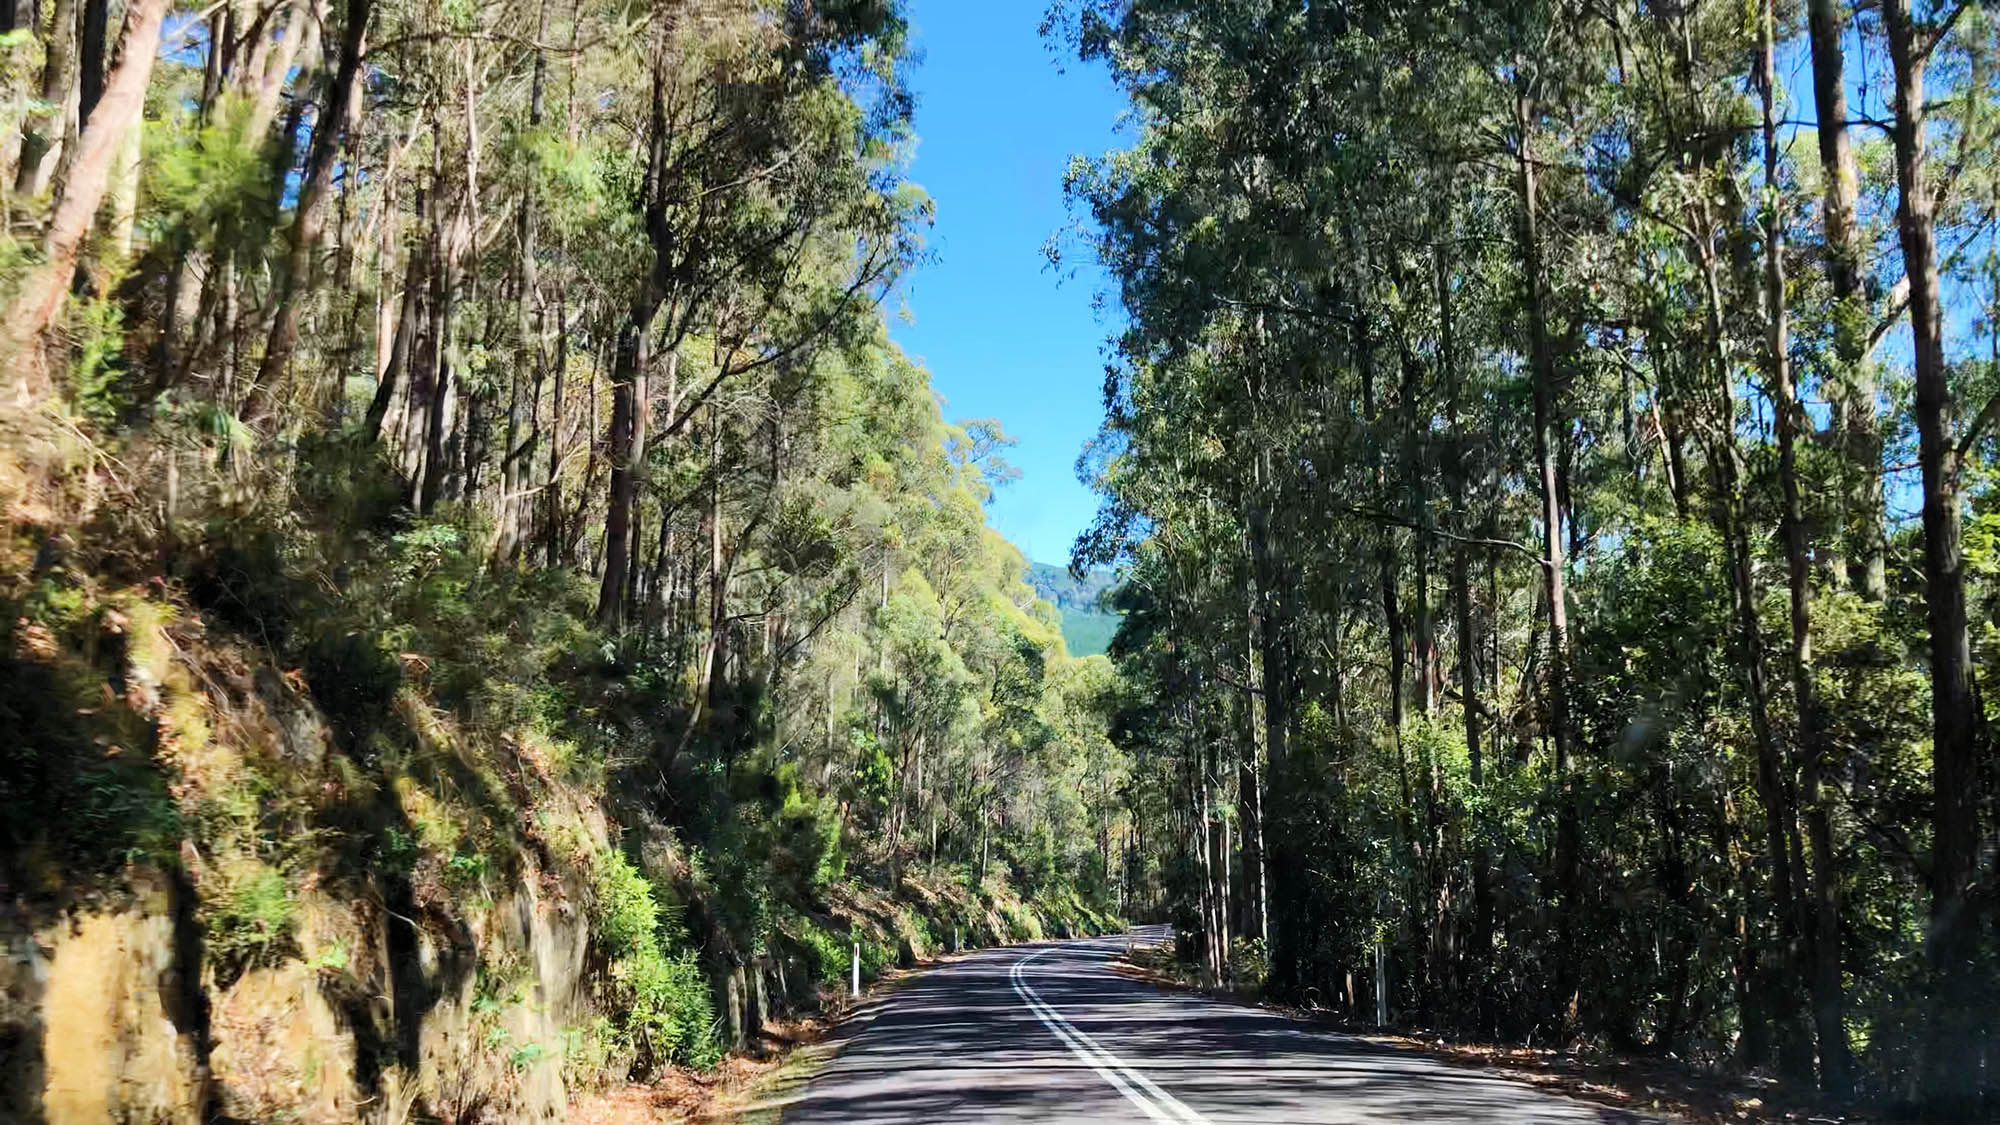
x=1556, y=492
x=485, y=612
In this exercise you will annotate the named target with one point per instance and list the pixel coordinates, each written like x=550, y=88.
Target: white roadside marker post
x=855, y=987
x=1381, y=986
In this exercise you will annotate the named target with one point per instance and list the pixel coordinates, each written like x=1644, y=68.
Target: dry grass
x=743, y=1079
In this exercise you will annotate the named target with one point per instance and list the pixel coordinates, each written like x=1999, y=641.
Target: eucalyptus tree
x=1542, y=289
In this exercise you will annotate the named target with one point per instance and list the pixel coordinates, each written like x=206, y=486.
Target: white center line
x=1156, y=1103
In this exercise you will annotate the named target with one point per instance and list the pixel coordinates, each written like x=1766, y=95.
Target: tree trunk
x=633, y=344
x=1479, y=949
x=1954, y=733
x=437, y=356
x=90, y=44
x=1568, y=828
x=516, y=509
x=628, y=378
x=1272, y=642
x=309, y=221
x=98, y=144
x=560, y=365
x=1853, y=389
x=44, y=128
x=1824, y=949
x=1778, y=983
x=1250, y=803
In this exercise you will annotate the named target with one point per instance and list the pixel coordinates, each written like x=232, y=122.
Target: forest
x=491, y=614
x=488, y=611
x=1551, y=444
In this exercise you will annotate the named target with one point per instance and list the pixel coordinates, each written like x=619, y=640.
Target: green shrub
x=830, y=952
x=248, y=920
x=587, y=1052
x=1022, y=924
x=96, y=368
x=668, y=1016
x=875, y=957
x=1249, y=964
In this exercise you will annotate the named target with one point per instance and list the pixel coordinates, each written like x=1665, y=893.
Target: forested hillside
x=1557, y=488
x=1088, y=621
x=487, y=611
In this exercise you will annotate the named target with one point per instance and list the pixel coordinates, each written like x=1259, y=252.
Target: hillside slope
x=1087, y=621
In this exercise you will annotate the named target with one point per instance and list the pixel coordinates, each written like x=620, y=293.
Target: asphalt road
x=1049, y=1033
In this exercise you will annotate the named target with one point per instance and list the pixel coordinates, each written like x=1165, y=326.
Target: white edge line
x=1061, y=1025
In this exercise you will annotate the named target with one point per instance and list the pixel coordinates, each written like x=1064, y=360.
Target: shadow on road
x=958, y=1044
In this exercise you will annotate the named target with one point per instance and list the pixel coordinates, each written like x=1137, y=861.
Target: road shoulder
x=754, y=1087
x=1656, y=1087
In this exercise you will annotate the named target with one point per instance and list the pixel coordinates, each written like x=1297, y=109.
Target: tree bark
x=1284, y=886
x=402, y=340
x=1479, y=948
x=628, y=398
x=1954, y=733
x=90, y=56
x=1854, y=387
x=559, y=364
x=1568, y=828
x=1824, y=951
x=309, y=222
x=98, y=144
x=44, y=129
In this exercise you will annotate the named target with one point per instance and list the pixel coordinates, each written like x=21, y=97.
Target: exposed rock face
x=100, y=1019
x=98, y=1022
x=386, y=995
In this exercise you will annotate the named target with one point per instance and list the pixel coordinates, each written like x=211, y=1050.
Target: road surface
x=1050, y=1033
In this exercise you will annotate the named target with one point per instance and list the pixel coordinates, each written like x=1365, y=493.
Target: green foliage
x=96, y=365
x=829, y=951
x=667, y=1015
x=876, y=957
x=1022, y=923
x=1249, y=965
x=824, y=670
x=211, y=178
x=248, y=919
x=1531, y=546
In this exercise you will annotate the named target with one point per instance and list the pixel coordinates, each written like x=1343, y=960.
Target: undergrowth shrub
x=667, y=1014
x=1022, y=924
x=830, y=951
x=876, y=956
x=247, y=915
x=1249, y=964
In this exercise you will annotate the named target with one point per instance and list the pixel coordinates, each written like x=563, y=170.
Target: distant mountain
x=1087, y=622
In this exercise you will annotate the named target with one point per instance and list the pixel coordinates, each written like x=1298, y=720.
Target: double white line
x=1154, y=1102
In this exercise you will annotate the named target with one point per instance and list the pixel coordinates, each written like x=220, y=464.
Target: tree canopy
x=1552, y=479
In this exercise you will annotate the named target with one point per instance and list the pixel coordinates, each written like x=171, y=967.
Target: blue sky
x=1005, y=336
